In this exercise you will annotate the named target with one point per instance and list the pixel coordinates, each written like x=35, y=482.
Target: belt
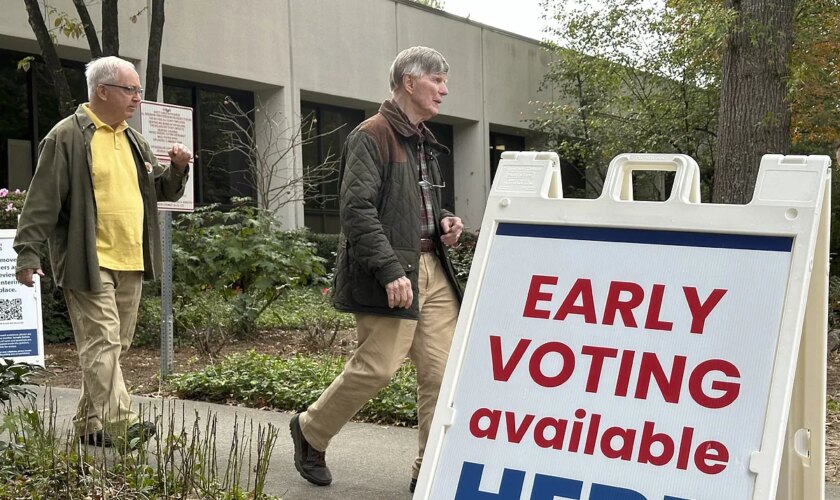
x=427, y=245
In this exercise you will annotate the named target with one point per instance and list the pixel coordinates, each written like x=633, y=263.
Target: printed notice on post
x=21, y=330
x=163, y=125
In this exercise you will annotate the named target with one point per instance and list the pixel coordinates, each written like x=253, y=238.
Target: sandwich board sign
x=21, y=326
x=613, y=349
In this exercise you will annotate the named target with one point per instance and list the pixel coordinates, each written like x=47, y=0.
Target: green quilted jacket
x=380, y=213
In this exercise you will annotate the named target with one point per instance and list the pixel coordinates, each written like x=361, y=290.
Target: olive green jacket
x=60, y=207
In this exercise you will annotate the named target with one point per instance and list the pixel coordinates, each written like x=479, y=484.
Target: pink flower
x=3, y=192
x=10, y=207
x=325, y=291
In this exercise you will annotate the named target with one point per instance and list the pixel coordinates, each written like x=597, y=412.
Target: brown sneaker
x=311, y=463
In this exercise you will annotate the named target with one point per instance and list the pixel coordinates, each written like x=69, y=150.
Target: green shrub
x=299, y=307
x=834, y=302
x=462, y=255
x=147, y=331
x=326, y=246
x=13, y=377
x=310, y=311
x=292, y=384
x=55, y=318
x=244, y=256
x=11, y=203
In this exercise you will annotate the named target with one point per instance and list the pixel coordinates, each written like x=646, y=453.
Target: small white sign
x=21, y=328
x=163, y=125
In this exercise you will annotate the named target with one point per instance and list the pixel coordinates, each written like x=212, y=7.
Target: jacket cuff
x=391, y=273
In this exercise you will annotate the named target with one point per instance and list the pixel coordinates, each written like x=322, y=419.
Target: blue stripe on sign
x=649, y=236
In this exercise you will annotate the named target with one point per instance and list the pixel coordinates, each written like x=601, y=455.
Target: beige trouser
x=103, y=324
x=383, y=343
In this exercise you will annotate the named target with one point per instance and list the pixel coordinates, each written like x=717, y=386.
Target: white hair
x=416, y=61
x=104, y=70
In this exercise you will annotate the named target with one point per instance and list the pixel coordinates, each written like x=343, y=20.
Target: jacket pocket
x=366, y=288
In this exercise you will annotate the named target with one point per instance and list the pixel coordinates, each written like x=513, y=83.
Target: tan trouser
x=383, y=343
x=103, y=324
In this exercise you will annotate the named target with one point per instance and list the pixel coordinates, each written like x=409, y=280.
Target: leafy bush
x=56, y=319
x=310, y=311
x=259, y=381
x=11, y=203
x=147, y=331
x=242, y=255
x=13, y=377
x=326, y=246
x=462, y=256
x=834, y=302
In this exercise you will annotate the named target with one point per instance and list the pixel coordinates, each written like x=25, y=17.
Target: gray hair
x=104, y=70
x=416, y=61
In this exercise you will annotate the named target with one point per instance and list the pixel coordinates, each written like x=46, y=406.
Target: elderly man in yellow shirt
x=93, y=198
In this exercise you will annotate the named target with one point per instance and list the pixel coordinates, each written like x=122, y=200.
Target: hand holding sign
x=26, y=276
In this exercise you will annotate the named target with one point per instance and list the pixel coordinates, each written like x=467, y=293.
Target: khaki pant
x=383, y=344
x=103, y=324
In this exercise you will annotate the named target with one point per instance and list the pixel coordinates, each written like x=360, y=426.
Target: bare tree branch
x=269, y=150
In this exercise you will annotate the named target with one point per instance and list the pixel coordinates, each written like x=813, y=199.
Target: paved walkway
x=368, y=462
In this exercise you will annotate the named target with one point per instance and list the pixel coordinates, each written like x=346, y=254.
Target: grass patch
x=263, y=381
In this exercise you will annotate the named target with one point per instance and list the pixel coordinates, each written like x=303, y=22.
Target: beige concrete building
x=321, y=59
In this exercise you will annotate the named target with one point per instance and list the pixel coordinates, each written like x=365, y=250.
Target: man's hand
x=451, y=229
x=180, y=155
x=399, y=293
x=25, y=276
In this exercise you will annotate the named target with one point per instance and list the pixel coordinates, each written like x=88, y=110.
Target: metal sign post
x=167, y=330
x=162, y=125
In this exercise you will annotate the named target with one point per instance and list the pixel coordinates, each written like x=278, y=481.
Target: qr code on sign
x=11, y=309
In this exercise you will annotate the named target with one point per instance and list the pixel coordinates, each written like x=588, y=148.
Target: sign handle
x=619, y=182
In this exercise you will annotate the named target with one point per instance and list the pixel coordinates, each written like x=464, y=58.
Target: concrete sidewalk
x=368, y=462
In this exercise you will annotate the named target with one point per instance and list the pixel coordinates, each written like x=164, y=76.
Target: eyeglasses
x=426, y=184
x=129, y=90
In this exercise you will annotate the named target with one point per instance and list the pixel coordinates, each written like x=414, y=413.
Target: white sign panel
x=163, y=125
x=596, y=379
x=21, y=329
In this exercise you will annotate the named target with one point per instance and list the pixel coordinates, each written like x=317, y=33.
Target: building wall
x=333, y=52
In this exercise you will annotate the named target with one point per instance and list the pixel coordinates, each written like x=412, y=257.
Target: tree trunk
x=754, y=113
x=66, y=105
x=90, y=29
x=110, y=28
x=153, y=60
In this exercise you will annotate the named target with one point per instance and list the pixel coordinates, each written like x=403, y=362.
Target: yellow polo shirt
x=119, y=205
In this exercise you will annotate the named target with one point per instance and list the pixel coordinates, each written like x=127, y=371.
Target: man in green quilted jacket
x=392, y=270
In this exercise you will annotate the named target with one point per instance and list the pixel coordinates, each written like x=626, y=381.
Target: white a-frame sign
x=614, y=349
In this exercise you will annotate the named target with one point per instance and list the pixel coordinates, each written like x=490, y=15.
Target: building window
x=219, y=175
x=324, y=128
x=29, y=111
x=499, y=143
